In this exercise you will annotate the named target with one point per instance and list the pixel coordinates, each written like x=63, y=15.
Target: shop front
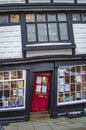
x=56, y=87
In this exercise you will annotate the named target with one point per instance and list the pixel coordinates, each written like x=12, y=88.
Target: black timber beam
x=49, y=6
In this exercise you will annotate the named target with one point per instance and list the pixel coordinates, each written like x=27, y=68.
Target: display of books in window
x=11, y=89
x=6, y=75
x=78, y=95
x=20, y=84
x=1, y=76
x=13, y=84
x=83, y=95
x=21, y=101
x=13, y=75
x=5, y=104
x=1, y=85
x=83, y=86
x=19, y=74
x=14, y=102
x=6, y=85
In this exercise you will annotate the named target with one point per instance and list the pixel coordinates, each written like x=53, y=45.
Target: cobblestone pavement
x=61, y=123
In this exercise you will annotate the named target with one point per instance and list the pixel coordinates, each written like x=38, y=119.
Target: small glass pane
x=51, y=17
x=83, y=16
x=1, y=75
x=31, y=32
x=6, y=75
x=62, y=17
x=3, y=19
x=76, y=17
x=30, y=17
x=13, y=75
x=20, y=84
x=63, y=31
x=14, y=18
x=53, y=33
x=19, y=74
x=42, y=32
x=41, y=18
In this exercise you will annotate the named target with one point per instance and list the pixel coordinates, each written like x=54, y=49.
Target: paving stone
x=43, y=128
x=26, y=126
x=11, y=127
x=39, y=123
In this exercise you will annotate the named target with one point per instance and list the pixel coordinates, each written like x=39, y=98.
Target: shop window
x=71, y=84
x=46, y=27
x=12, y=89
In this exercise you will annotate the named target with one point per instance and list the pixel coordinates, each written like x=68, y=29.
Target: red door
x=41, y=92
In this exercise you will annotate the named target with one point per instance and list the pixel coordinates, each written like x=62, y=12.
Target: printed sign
x=80, y=38
x=10, y=42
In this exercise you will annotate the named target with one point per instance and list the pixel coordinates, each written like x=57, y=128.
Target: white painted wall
x=39, y=1
x=81, y=1
x=64, y=1
x=49, y=52
x=10, y=42
x=11, y=1
x=80, y=38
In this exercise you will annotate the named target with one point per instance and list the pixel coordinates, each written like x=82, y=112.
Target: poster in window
x=14, y=92
x=78, y=78
x=61, y=88
x=20, y=92
x=61, y=81
x=38, y=88
x=44, y=89
x=39, y=79
x=67, y=87
x=20, y=84
x=61, y=72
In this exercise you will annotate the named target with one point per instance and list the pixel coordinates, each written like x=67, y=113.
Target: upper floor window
x=12, y=18
x=47, y=27
x=79, y=17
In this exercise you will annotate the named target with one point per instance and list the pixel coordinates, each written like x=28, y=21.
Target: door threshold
x=39, y=115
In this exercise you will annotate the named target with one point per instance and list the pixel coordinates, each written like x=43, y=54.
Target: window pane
x=42, y=32
x=76, y=17
x=53, y=33
x=14, y=18
x=62, y=17
x=31, y=32
x=30, y=18
x=41, y=18
x=51, y=17
x=63, y=31
x=3, y=19
x=83, y=16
